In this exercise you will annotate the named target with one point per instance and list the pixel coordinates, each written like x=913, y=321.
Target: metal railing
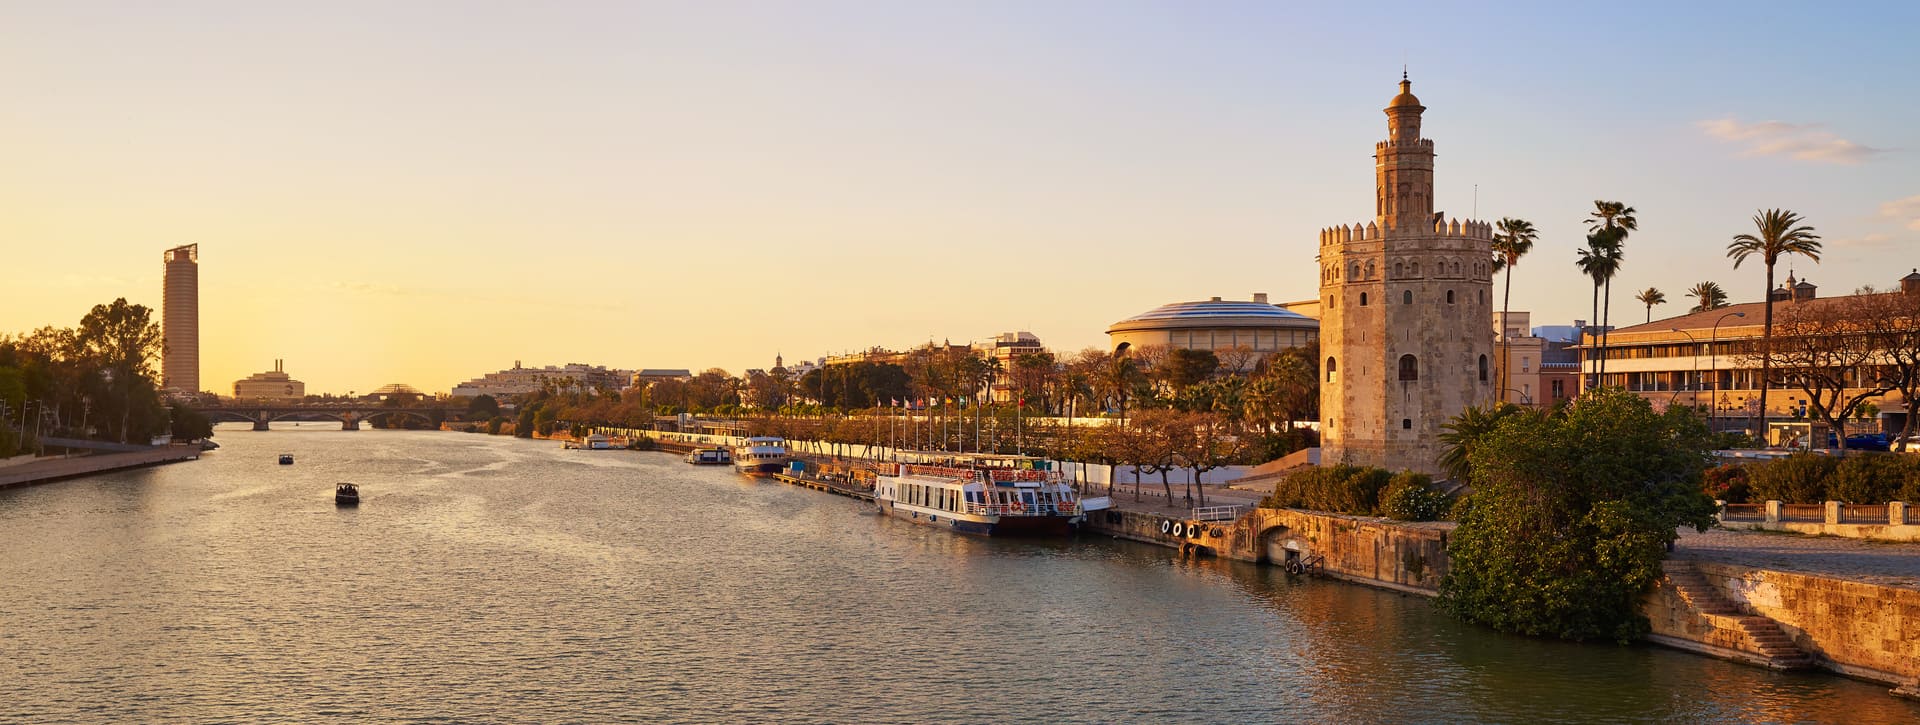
x=1754, y=512
x=1043, y=508
x=1217, y=513
x=1858, y=513
x=1803, y=512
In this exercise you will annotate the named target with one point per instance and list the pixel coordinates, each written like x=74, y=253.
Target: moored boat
x=710, y=457
x=346, y=494
x=991, y=495
x=761, y=454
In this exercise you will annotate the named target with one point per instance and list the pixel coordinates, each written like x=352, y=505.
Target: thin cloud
x=1870, y=241
x=1906, y=211
x=1801, y=141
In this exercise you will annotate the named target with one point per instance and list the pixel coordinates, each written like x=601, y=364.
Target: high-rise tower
x=1405, y=327
x=180, y=320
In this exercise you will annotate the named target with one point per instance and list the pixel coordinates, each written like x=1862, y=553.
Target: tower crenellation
x=1407, y=307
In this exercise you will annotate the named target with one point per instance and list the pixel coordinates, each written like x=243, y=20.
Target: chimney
x=1803, y=291
x=1910, y=284
x=1260, y=297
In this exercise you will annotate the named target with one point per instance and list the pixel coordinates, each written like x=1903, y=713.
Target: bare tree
x=1893, y=320
x=1825, y=349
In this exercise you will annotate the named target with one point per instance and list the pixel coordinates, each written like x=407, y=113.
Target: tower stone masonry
x=1406, y=298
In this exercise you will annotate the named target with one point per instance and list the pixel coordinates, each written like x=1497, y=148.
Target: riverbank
x=54, y=469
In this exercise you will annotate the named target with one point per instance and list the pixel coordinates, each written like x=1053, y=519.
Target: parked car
x=1864, y=442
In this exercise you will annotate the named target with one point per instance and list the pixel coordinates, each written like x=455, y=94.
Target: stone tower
x=1406, y=325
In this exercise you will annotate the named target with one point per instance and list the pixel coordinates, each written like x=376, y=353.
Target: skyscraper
x=180, y=320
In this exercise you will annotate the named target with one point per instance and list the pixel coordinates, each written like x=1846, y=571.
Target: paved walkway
x=48, y=469
x=1876, y=562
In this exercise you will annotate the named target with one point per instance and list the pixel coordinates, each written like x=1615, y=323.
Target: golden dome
x=1406, y=99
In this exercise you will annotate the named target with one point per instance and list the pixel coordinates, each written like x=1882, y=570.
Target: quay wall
x=54, y=469
x=1862, y=630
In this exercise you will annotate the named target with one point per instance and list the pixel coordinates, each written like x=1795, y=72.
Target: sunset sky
x=423, y=192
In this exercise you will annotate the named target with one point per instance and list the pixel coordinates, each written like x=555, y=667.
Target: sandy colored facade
x=1406, y=299
x=274, y=385
x=180, y=320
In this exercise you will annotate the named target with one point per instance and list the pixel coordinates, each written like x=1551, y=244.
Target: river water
x=490, y=579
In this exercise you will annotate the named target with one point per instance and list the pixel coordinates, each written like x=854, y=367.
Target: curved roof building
x=1217, y=325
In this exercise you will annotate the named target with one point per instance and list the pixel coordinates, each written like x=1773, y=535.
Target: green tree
x=125, y=341
x=1651, y=296
x=1778, y=233
x=1187, y=367
x=1707, y=296
x=1514, y=240
x=482, y=407
x=1465, y=432
x=1571, y=514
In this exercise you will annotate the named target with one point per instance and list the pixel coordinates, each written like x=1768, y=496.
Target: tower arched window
x=1416, y=268
x=1356, y=271
x=1370, y=271
x=1399, y=270
x=1483, y=368
x=1333, y=370
x=1449, y=296
x=1406, y=297
x=1456, y=269
x=1363, y=299
x=1409, y=368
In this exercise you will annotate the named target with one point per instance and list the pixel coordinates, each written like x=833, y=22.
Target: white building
x=519, y=380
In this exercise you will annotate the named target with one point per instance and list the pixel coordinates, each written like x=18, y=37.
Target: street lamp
x=1696, y=365
x=1525, y=399
x=1713, y=359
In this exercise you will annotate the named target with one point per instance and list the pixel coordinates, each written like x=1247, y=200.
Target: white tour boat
x=761, y=454
x=986, y=494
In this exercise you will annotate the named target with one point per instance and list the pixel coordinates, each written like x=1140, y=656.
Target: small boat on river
x=346, y=494
x=715, y=456
x=986, y=494
x=761, y=454
x=286, y=459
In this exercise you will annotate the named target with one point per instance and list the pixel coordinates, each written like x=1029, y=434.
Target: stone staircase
x=1762, y=634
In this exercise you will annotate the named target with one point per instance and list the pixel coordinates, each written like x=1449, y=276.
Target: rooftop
x=1214, y=313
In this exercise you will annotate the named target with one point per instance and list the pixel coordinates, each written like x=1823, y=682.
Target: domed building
x=1257, y=328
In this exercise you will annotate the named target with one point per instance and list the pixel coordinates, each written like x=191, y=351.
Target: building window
x=1559, y=389
x=1363, y=299
x=1416, y=269
x=1399, y=270
x=1449, y=296
x=1409, y=368
x=1483, y=296
x=1483, y=368
x=1406, y=298
x=1406, y=424
x=1333, y=370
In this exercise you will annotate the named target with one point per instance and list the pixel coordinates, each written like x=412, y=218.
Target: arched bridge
x=261, y=416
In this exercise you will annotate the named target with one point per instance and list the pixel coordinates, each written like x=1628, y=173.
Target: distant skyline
x=422, y=193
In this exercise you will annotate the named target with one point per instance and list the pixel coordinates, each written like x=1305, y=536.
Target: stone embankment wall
x=53, y=469
x=1388, y=554
x=1854, y=628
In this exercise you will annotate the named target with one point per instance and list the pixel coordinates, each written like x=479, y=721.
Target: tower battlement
x=1463, y=228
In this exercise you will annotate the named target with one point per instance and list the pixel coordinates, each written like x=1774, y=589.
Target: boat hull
x=344, y=501
x=763, y=467
x=1027, y=526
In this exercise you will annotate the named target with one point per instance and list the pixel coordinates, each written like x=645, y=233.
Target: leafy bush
x=1732, y=483
x=1411, y=497
x=1571, y=513
x=1799, y=478
x=1867, y=478
x=1338, y=489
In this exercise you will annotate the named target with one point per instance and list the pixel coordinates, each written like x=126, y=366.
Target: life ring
x=1179, y=530
x=1066, y=504
x=1017, y=507
x=1165, y=526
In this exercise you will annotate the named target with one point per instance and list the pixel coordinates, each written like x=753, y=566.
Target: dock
x=834, y=487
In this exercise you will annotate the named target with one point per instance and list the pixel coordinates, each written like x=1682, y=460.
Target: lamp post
x=1525, y=399
x=1713, y=359
x=1696, y=365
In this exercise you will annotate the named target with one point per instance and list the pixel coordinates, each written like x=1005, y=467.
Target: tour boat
x=709, y=457
x=346, y=494
x=286, y=459
x=985, y=494
x=761, y=454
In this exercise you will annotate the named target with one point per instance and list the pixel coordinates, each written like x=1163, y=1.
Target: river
x=491, y=579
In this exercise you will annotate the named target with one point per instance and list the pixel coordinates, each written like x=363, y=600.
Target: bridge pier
x=352, y=424
x=260, y=425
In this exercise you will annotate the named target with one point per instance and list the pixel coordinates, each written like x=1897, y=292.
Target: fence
x=1856, y=513
x=1812, y=512
x=1745, y=512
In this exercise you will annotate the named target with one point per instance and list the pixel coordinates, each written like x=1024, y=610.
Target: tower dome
x=1406, y=99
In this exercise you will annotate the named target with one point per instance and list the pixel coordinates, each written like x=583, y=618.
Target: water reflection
x=515, y=581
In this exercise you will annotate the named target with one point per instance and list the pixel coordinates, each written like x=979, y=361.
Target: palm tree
x=1707, y=296
x=1513, y=241
x=1781, y=232
x=1599, y=261
x=1617, y=220
x=1651, y=296
x=1464, y=433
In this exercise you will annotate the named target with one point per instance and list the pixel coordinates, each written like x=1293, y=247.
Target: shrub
x=1411, y=497
x=1867, y=478
x=1732, y=483
x=1339, y=488
x=1799, y=478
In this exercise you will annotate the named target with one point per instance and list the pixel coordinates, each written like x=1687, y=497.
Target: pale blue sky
x=422, y=192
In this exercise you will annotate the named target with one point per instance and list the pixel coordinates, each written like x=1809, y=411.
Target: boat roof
x=972, y=457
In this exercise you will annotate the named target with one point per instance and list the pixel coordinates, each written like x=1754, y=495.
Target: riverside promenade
x=53, y=469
